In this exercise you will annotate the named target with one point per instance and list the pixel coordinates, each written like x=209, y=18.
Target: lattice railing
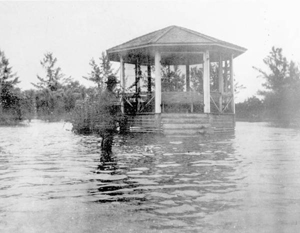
x=221, y=102
x=176, y=102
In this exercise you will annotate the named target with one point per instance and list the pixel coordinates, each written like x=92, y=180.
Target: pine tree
x=53, y=77
x=196, y=74
x=100, y=72
x=282, y=87
x=284, y=74
x=8, y=82
x=50, y=96
x=172, y=80
x=196, y=79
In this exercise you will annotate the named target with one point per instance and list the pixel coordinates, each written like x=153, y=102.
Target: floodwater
x=245, y=182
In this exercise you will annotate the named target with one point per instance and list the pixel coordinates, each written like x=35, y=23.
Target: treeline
x=279, y=102
x=58, y=97
x=55, y=97
x=12, y=100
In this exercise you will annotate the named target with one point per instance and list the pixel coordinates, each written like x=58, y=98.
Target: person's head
x=111, y=82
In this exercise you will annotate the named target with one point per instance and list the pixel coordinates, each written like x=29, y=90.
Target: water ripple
x=182, y=183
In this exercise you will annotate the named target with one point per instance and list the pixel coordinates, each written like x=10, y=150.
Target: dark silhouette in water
x=110, y=118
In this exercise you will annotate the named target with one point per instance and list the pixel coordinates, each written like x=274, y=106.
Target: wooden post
x=221, y=83
x=149, y=82
x=226, y=77
x=232, y=84
x=122, y=79
x=206, y=82
x=139, y=78
x=136, y=76
x=1, y=99
x=188, y=85
x=157, y=82
x=187, y=74
x=149, y=77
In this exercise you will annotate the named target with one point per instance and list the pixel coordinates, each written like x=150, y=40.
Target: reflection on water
x=245, y=182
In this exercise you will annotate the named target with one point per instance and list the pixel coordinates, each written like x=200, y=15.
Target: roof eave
x=238, y=49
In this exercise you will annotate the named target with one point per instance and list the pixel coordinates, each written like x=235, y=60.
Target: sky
x=77, y=31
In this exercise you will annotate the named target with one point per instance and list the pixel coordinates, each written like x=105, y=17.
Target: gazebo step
x=181, y=123
x=183, y=118
x=186, y=126
x=145, y=130
x=224, y=130
x=184, y=121
x=187, y=131
x=184, y=115
x=143, y=124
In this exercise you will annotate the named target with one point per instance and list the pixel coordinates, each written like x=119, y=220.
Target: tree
x=73, y=91
x=53, y=77
x=100, y=72
x=28, y=104
x=7, y=77
x=196, y=77
x=196, y=74
x=279, y=67
x=9, y=94
x=282, y=87
x=50, y=96
x=172, y=80
x=250, y=109
x=214, y=76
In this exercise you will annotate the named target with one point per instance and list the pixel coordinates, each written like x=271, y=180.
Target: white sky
x=77, y=31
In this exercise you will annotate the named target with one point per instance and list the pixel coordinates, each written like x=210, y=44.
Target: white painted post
x=232, y=84
x=157, y=82
x=206, y=82
x=221, y=83
x=226, y=76
x=122, y=79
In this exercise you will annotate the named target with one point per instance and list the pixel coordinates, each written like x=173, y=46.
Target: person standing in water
x=109, y=115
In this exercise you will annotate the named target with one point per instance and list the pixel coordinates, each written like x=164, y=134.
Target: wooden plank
x=177, y=124
x=182, y=98
x=184, y=115
x=185, y=126
x=144, y=124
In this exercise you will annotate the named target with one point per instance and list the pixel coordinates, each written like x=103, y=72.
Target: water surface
x=248, y=181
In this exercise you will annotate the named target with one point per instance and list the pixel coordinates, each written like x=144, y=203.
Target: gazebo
x=211, y=110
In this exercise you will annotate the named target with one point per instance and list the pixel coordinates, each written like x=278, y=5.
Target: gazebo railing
x=182, y=102
x=221, y=102
x=192, y=102
x=137, y=103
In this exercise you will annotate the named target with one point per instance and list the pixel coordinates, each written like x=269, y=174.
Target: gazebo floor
x=182, y=123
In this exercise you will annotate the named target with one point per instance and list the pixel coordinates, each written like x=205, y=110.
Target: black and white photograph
x=149, y=116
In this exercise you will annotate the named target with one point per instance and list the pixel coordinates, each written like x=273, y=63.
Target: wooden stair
x=144, y=124
x=181, y=124
x=224, y=123
x=185, y=124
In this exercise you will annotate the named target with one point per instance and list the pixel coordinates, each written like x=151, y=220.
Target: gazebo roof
x=172, y=39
